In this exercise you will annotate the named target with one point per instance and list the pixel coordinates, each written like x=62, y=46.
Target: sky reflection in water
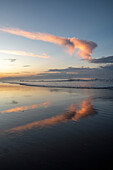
x=44, y=125
x=64, y=105
x=24, y=108
x=86, y=109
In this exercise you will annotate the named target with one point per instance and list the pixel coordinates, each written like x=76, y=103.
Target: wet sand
x=55, y=128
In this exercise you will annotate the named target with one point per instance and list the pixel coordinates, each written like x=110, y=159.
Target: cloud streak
x=103, y=60
x=12, y=60
x=27, y=65
x=84, y=48
x=24, y=53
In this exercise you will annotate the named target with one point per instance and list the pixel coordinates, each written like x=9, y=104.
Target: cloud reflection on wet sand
x=86, y=109
x=23, y=108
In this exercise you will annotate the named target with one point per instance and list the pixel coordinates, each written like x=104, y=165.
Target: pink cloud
x=84, y=48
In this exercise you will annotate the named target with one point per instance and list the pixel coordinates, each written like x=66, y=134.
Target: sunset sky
x=40, y=36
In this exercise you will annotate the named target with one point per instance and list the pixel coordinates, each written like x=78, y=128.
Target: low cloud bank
x=104, y=72
x=102, y=60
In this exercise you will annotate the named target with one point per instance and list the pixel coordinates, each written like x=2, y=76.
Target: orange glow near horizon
x=10, y=75
x=19, y=74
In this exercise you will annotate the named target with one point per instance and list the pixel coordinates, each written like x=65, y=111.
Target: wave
x=66, y=84
x=77, y=87
x=68, y=80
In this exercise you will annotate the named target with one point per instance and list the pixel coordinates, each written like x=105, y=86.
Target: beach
x=56, y=85
x=55, y=128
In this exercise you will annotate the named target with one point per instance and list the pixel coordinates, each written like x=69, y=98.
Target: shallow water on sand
x=55, y=128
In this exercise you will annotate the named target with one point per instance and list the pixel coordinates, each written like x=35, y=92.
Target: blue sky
x=86, y=20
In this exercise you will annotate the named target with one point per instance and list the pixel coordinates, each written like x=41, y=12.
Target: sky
x=39, y=36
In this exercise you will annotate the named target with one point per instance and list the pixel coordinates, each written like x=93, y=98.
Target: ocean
x=86, y=83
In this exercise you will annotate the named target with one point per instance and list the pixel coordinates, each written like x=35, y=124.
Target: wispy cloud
x=24, y=53
x=27, y=65
x=103, y=60
x=68, y=69
x=14, y=102
x=84, y=48
x=12, y=60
